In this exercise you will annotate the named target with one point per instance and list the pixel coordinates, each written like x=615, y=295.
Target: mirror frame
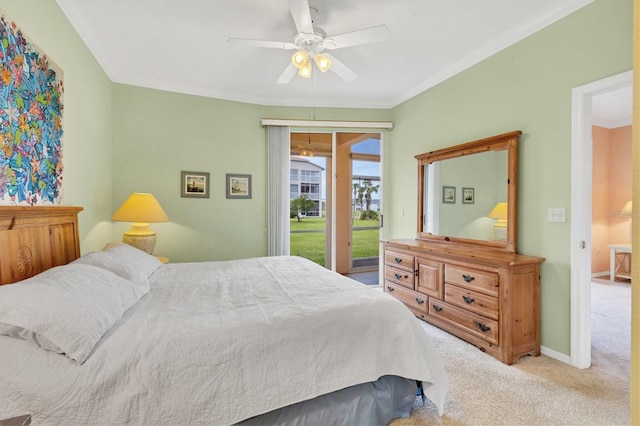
x=505, y=141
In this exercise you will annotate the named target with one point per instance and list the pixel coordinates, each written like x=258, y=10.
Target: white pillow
x=66, y=309
x=124, y=260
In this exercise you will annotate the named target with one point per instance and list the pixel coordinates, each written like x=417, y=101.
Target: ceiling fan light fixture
x=300, y=58
x=305, y=70
x=322, y=62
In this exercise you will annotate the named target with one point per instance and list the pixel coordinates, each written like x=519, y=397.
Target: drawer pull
x=468, y=299
x=437, y=308
x=398, y=260
x=390, y=288
x=482, y=327
x=419, y=301
x=398, y=276
x=468, y=278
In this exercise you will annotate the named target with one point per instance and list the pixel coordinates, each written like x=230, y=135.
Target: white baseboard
x=555, y=355
x=601, y=274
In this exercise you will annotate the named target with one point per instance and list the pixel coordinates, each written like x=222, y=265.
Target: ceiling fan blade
x=261, y=43
x=301, y=15
x=288, y=74
x=346, y=73
x=368, y=35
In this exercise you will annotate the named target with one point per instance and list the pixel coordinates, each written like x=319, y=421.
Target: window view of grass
x=308, y=238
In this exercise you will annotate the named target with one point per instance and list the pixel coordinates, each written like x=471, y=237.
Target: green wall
x=157, y=134
x=154, y=135
x=86, y=116
x=525, y=87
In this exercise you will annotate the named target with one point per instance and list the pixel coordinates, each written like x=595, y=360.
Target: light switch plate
x=557, y=215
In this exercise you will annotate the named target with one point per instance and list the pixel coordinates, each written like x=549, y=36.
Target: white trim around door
x=580, y=240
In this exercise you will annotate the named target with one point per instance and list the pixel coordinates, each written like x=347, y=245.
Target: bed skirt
x=373, y=403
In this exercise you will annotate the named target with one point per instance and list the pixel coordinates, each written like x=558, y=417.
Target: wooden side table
x=617, y=261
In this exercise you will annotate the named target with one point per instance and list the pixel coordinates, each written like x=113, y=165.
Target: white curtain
x=278, y=158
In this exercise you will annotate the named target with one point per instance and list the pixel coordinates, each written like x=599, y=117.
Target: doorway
x=581, y=204
x=324, y=167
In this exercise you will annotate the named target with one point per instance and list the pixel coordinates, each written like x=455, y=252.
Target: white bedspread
x=219, y=342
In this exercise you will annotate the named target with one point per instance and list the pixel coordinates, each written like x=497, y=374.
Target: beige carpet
x=540, y=390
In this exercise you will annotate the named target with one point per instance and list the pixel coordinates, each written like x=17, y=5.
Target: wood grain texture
x=34, y=239
x=490, y=298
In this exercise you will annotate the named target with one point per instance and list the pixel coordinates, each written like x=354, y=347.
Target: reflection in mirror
x=499, y=213
x=459, y=186
x=478, y=183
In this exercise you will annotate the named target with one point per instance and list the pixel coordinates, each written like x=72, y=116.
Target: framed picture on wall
x=194, y=184
x=468, y=195
x=448, y=194
x=238, y=186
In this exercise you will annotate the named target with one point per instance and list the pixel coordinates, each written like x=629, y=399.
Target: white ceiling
x=613, y=108
x=181, y=45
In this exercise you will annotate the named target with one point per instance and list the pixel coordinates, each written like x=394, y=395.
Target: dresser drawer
x=414, y=300
x=474, y=301
x=399, y=260
x=473, y=279
x=477, y=325
x=399, y=276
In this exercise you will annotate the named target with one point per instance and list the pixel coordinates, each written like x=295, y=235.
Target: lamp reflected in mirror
x=499, y=212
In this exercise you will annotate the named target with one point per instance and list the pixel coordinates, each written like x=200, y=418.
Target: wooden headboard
x=34, y=239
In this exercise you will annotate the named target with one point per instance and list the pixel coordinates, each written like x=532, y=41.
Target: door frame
x=341, y=155
x=581, y=199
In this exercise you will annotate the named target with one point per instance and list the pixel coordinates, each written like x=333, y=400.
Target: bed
x=117, y=337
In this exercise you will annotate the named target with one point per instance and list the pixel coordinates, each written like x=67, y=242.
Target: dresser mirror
x=468, y=193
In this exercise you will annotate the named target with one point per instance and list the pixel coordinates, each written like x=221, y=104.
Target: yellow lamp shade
x=499, y=212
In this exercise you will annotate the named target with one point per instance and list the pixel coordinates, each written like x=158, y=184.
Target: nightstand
x=17, y=421
x=620, y=261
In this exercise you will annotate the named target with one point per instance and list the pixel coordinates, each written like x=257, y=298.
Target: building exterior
x=305, y=179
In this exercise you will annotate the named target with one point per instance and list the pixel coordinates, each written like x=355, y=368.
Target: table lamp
x=499, y=213
x=141, y=209
x=627, y=210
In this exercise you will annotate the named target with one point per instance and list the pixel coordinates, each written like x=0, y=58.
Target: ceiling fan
x=311, y=44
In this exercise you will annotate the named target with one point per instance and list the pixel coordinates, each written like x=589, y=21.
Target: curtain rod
x=386, y=125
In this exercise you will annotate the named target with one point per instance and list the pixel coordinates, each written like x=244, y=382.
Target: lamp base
x=141, y=237
x=500, y=232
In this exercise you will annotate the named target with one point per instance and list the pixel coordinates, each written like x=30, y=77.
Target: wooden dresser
x=488, y=298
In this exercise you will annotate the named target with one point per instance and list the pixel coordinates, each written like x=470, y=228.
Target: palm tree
x=358, y=195
x=368, y=188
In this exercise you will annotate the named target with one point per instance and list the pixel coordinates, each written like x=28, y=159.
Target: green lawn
x=312, y=244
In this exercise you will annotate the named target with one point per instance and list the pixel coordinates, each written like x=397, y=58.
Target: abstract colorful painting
x=31, y=92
